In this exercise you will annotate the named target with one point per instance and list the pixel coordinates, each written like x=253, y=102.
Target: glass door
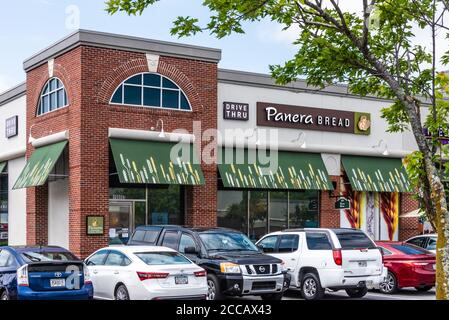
x=120, y=222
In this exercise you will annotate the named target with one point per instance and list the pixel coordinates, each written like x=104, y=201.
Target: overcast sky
x=28, y=26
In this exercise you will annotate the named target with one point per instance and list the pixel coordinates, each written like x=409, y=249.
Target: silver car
x=426, y=241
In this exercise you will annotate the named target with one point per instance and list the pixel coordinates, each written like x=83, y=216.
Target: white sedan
x=145, y=273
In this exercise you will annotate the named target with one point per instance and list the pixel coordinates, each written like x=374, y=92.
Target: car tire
x=4, y=296
x=390, y=285
x=213, y=288
x=311, y=287
x=121, y=293
x=357, y=293
x=424, y=288
x=273, y=296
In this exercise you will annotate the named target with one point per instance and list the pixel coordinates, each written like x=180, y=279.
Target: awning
x=39, y=165
x=243, y=168
x=376, y=174
x=2, y=166
x=155, y=162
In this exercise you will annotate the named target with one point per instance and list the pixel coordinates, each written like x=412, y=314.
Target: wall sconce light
x=383, y=147
x=162, y=133
x=255, y=132
x=301, y=140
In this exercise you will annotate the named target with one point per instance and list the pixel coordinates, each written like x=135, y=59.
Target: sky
x=28, y=26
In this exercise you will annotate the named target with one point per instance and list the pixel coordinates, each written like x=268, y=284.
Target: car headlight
x=229, y=267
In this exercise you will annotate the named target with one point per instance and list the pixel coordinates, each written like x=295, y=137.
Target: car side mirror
x=190, y=250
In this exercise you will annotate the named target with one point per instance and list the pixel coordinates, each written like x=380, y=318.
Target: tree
x=374, y=53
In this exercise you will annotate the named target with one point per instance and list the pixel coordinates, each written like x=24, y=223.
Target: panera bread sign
x=297, y=117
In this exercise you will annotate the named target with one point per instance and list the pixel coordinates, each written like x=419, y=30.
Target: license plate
x=57, y=283
x=181, y=280
x=363, y=264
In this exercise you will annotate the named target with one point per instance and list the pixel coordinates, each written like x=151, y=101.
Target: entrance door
x=120, y=222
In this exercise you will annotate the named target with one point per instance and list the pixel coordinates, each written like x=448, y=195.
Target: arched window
x=151, y=90
x=53, y=97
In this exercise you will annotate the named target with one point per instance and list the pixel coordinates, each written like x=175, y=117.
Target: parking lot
x=404, y=294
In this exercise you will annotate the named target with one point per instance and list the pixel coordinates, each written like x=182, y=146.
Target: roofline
x=13, y=93
x=262, y=80
x=121, y=42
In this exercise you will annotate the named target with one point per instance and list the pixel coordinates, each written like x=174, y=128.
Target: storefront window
x=258, y=214
x=232, y=210
x=3, y=208
x=127, y=193
x=164, y=206
x=304, y=209
x=268, y=211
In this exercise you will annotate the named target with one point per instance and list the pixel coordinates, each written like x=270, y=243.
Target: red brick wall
x=408, y=227
x=329, y=216
x=91, y=75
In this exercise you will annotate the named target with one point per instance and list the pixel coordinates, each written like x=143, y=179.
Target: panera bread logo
x=298, y=117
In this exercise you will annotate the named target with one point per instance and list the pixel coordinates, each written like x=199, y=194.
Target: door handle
x=293, y=259
x=95, y=271
x=116, y=272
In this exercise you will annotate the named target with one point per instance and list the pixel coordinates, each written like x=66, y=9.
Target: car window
x=432, y=244
x=6, y=259
x=32, y=256
x=385, y=251
x=117, y=259
x=185, y=242
x=354, y=240
x=268, y=244
x=318, y=241
x=139, y=235
x=409, y=249
x=170, y=239
x=417, y=241
x=288, y=243
x=162, y=258
x=97, y=259
x=151, y=236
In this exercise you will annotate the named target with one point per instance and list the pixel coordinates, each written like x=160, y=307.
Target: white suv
x=335, y=259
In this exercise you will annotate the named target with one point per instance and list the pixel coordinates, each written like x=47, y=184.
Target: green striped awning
x=242, y=168
x=154, y=162
x=2, y=166
x=39, y=165
x=376, y=174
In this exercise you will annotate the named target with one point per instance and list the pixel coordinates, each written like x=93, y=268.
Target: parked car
x=44, y=273
x=408, y=266
x=145, y=273
x=319, y=259
x=427, y=241
x=234, y=265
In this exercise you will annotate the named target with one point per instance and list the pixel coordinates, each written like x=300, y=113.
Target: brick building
x=87, y=150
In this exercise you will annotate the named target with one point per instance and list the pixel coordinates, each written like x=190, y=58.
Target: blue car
x=42, y=273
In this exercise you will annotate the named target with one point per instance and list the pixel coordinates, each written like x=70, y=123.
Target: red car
x=408, y=266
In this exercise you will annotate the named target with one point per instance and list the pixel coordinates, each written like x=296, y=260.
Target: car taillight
x=338, y=259
x=22, y=276
x=152, y=275
x=87, y=279
x=200, y=273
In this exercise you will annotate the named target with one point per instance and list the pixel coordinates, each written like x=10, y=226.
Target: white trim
x=51, y=67
x=13, y=154
x=144, y=135
x=314, y=148
x=50, y=139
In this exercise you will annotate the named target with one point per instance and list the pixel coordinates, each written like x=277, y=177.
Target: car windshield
x=162, y=258
x=355, y=240
x=409, y=249
x=30, y=256
x=231, y=241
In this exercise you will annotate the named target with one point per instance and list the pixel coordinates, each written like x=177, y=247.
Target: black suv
x=234, y=265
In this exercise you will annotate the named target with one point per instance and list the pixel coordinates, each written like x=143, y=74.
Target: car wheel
x=121, y=293
x=273, y=296
x=357, y=293
x=311, y=287
x=213, y=288
x=390, y=285
x=424, y=288
x=4, y=295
